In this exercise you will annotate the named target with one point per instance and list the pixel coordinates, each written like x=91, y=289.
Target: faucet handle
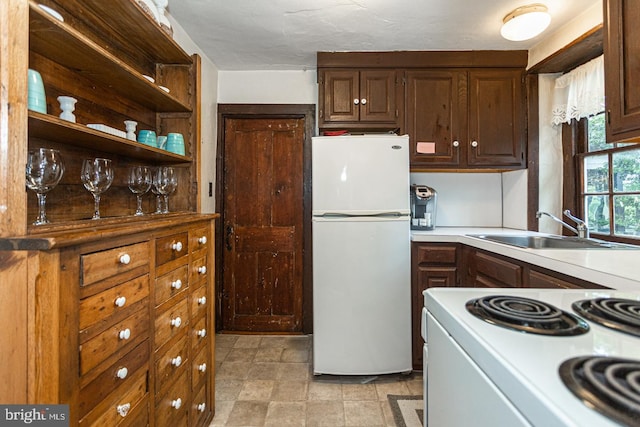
x=567, y=212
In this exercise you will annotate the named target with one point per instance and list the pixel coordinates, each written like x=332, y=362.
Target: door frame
x=273, y=111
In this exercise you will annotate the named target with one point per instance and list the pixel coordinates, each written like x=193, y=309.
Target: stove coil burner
x=616, y=313
x=609, y=385
x=526, y=315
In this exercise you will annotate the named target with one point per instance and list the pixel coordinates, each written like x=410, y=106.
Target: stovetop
x=525, y=366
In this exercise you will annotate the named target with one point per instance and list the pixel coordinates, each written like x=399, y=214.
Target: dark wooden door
x=341, y=96
x=378, y=96
x=263, y=225
x=496, y=119
x=436, y=115
x=622, y=62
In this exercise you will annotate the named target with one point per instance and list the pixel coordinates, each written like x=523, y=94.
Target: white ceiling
x=286, y=34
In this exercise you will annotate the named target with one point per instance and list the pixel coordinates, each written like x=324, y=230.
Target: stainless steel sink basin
x=552, y=242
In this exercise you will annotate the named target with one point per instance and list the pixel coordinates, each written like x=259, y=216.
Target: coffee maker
x=423, y=207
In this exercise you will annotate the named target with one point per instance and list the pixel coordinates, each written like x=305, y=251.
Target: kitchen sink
x=552, y=242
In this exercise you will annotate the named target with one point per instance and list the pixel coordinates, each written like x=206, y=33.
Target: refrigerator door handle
x=229, y=235
x=373, y=215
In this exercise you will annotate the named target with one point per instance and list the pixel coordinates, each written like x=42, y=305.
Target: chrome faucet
x=580, y=229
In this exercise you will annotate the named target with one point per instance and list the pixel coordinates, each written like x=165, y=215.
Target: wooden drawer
x=497, y=272
x=131, y=330
x=101, y=265
x=115, y=300
x=199, y=407
x=171, y=247
x=171, y=284
x=171, y=363
x=200, y=333
x=127, y=405
x=432, y=254
x=199, y=301
x=172, y=322
x=117, y=374
x=198, y=269
x=173, y=406
x=200, y=366
x=199, y=239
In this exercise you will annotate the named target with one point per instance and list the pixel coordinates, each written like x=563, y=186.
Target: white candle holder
x=130, y=127
x=68, y=106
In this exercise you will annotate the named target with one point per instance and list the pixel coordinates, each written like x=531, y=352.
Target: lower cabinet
x=122, y=324
x=452, y=264
x=433, y=265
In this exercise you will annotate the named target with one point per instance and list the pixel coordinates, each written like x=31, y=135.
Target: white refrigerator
x=361, y=255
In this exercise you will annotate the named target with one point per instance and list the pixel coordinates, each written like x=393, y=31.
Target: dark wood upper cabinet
x=467, y=118
x=622, y=69
x=358, y=98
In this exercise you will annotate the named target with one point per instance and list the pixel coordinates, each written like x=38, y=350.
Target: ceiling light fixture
x=525, y=22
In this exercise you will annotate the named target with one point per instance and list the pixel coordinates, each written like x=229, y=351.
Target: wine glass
x=139, y=183
x=44, y=169
x=97, y=176
x=170, y=187
x=154, y=190
x=164, y=182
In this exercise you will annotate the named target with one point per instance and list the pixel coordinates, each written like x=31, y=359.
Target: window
x=609, y=183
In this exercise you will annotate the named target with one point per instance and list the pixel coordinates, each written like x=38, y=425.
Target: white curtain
x=579, y=93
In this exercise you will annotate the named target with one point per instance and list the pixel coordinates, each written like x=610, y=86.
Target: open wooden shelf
x=52, y=128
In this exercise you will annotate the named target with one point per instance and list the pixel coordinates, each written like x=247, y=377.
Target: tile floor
x=267, y=380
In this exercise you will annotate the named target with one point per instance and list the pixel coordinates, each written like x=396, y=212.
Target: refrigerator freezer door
x=360, y=175
x=361, y=296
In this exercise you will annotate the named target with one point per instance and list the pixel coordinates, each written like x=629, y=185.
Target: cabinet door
x=622, y=62
x=496, y=119
x=340, y=95
x=377, y=96
x=436, y=115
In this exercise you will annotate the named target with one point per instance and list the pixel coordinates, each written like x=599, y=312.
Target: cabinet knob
x=177, y=246
x=201, y=407
x=122, y=373
x=176, y=322
x=474, y=144
x=356, y=101
x=176, y=284
x=125, y=334
x=123, y=410
x=202, y=240
x=202, y=367
x=176, y=403
x=202, y=333
x=120, y=301
x=125, y=259
x=176, y=361
x=456, y=143
x=202, y=300
x=363, y=101
x=202, y=269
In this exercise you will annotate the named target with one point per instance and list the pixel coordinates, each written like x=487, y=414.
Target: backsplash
x=478, y=199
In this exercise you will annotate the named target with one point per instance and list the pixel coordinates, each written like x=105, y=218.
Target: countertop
x=613, y=268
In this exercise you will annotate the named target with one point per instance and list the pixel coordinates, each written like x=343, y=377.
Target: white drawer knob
x=201, y=407
x=177, y=284
x=122, y=373
x=125, y=259
x=202, y=300
x=123, y=410
x=202, y=333
x=456, y=143
x=125, y=335
x=363, y=101
x=202, y=269
x=202, y=367
x=120, y=301
x=474, y=144
x=177, y=246
x=356, y=101
x=176, y=361
x=176, y=403
x=202, y=240
x=176, y=322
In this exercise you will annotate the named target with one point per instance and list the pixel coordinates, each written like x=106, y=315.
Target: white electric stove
x=485, y=372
